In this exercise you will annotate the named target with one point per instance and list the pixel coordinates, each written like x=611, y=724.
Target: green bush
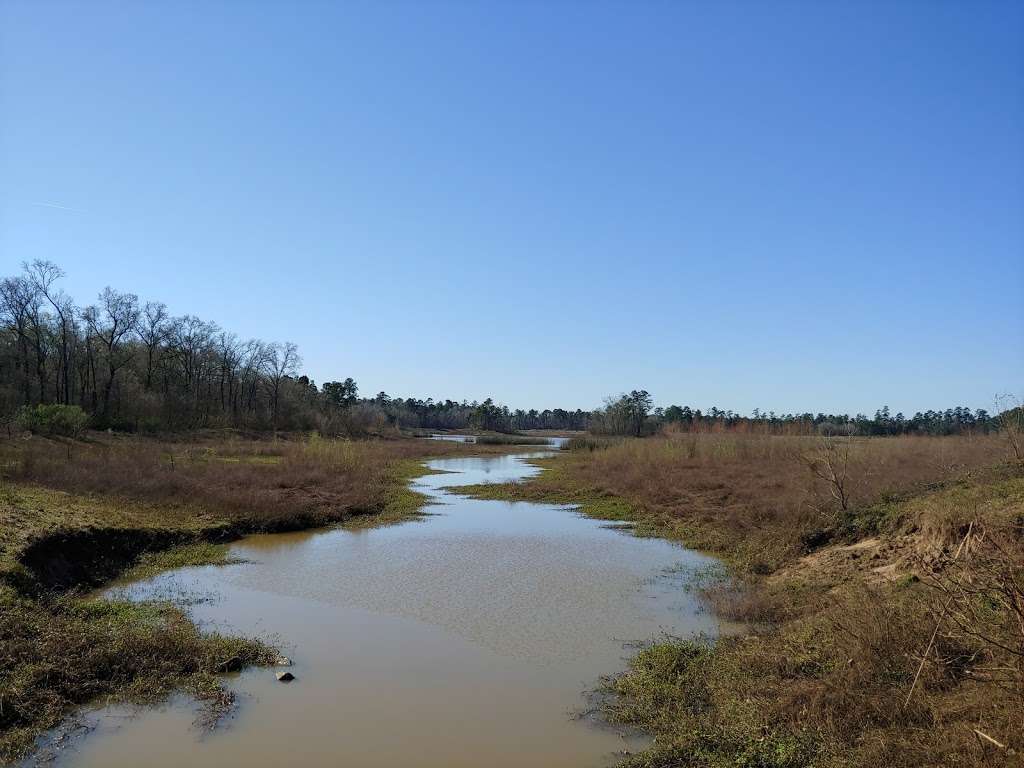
x=66, y=420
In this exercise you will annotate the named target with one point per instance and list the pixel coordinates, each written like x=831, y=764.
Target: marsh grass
x=253, y=485
x=65, y=652
x=753, y=498
x=593, y=442
x=828, y=687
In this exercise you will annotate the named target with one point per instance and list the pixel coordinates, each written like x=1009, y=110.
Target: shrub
x=54, y=419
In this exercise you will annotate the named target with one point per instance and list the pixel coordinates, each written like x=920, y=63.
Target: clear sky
x=791, y=206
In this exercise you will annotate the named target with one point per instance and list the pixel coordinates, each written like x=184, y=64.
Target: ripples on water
x=467, y=638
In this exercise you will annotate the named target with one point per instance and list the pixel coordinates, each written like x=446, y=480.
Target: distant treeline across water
x=126, y=364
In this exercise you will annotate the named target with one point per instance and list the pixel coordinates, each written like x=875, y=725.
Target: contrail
x=61, y=207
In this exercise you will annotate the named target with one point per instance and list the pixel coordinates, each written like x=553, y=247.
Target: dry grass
x=844, y=670
x=755, y=498
x=265, y=485
x=75, y=512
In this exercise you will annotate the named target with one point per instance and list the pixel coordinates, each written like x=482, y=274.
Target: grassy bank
x=62, y=652
x=887, y=620
x=75, y=514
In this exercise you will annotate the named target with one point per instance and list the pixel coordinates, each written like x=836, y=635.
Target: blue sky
x=787, y=206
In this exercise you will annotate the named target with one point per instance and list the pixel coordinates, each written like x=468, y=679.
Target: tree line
x=355, y=414
x=633, y=414
x=131, y=365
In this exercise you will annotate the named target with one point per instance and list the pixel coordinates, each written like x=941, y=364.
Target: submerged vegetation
x=882, y=580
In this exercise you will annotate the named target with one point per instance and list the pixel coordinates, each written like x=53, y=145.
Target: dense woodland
x=131, y=365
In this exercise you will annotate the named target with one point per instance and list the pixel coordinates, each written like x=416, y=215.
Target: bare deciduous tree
x=282, y=361
x=18, y=304
x=831, y=463
x=44, y=275
x=111, y=324
x=153, y=330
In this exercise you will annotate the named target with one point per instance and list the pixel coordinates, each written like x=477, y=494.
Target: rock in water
x=285, y=676
x=234, y=664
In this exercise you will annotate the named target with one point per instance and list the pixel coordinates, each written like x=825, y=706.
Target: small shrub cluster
x=680, y=691
x=53, y=420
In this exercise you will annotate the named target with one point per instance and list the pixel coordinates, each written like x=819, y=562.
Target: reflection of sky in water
x=488, y=613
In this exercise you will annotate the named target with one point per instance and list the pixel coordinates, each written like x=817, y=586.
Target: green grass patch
x=68, y=652
x=684, y=692
x=195, y=554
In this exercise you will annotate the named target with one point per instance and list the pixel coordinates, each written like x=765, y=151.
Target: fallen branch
x=984, y=736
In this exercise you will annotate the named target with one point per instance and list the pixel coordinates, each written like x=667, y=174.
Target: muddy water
x=467, y=638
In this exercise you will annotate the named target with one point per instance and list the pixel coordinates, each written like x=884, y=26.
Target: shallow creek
x=466, y=638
